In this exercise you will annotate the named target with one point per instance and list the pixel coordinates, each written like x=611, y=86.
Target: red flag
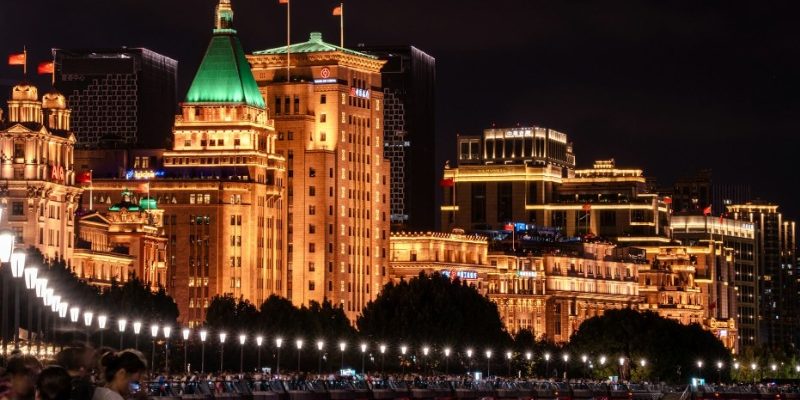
x=283, y=1
x=85, y=177
x=707, y=210
x=509, y=227
x=16, y=59
x=667, y=200
x=447, y=182
x=46, y=68
x=337, y=10
x=587, y=207
x=143, y=187
x=721, y=216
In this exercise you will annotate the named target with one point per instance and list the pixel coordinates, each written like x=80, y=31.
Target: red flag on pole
x=337, y=11
x=16, y=59
x=447, y=182
x=509, y=227
x=667, y=200
x=283, y=1
x=47, y=67
x=143, y=187
x=85, y=177
x=707, y=210
x=587, y=207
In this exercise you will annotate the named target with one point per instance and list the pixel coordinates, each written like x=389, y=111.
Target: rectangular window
x=312, y=228
x=311, y=286
x=17, y=208
x=323, y=118
x=296, y=105
x=277, y=105
x=312, y=191
x=311, y=267
x=312, y=210
x=312, y=248
x=323, y=99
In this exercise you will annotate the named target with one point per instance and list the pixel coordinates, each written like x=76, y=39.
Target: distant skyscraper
x=123, y=96
x=409, y=81
x=694, y=193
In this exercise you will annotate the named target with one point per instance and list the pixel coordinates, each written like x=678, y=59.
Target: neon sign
x=363, y=93
x=526, y=274
x=143, y=174
x=461, y=274
x=57, y=173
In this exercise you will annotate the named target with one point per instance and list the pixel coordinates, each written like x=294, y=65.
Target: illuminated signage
x=143, y=174
x=363, y=93
x=326, y=80
x=461, y=274
x=325, y=73
x=526, y=274
x=57, y=173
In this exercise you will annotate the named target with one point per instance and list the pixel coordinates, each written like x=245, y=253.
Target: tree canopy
x=432, y=309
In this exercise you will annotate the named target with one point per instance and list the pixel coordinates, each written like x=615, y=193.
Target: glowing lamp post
x=546, y=364
x=186, y=332
x=30, y=284
x=299, y=344
x=121, y=324
x=203, y=337
x=87, y=321
x=342, y=347
x=259, y=342
x=278, y=344
x=488, y=363
x=699, y=368
x=382, y=348
x=509, y=354
x=469, y=359
x=446, y=360
x=167, y=333
x=41, y=289
x=242, y=340
x=137, y=327
x=222, y=337
x=529, y=357
x=154, y=335
x=363, y=352
x=719, y=371
x=17, y=271
x=102, y=319
x=320, y=346
x=403, y=350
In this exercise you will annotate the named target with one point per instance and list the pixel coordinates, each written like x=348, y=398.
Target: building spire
x=224, y=15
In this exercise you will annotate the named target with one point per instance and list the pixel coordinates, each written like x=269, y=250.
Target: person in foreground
x=121, y=371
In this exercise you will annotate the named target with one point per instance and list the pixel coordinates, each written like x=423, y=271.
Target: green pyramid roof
x=315, y=44
x=224, y=75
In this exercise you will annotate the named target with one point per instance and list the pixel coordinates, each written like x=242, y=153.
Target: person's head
x=54, y=383
x=22, y=371
x=122, y=368
x=76, y=360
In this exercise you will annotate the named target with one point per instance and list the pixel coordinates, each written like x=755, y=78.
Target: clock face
x=325, y=73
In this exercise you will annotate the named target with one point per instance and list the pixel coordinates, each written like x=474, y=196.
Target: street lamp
x=167, y=333
x=203, y=337
x=363, y=352
x=584, y=358
x=566, y=359
x=320, y=346
x=299, y=344
x=242, y=339
x=278, y=343
x=101, y=323
x=41, y=288
x=602, y=360
x=222, y=337
x=30, y=284
x=87, y=320
x=508, y=357
x=342, y=347
x=529, y=357
x=446, y=360
x=383, y=353
x=121, y=323
x=719, y=371
x=546, y=365
x=488, y=363
x=259, y=342
x=699, y=368
x=154, y=334
x=186, y=332
x=469, y=358
x=403, y=350
x=622, y=367
x=137, y=327
x=17, y=271
x=425, y=351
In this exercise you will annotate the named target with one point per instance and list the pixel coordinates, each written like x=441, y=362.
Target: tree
x=670, y=349
x=434, y=310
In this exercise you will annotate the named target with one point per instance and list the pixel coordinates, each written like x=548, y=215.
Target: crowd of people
x=75, y=373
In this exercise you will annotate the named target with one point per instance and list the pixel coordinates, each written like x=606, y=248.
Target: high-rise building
x=38, y=190
x=776, y=243
x=120, y=97
x=329, y=123
x=740, y=237
x=524, y=179
x=220, y=185
x=409, y=131
x=692, y=194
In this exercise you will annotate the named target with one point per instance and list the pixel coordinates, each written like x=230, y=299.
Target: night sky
x=670, y=87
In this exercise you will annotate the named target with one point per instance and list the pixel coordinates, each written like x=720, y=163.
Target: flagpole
x=91, y=190
x=288, y=40
x=53, y=74
x=25, y=62
x=341, y=25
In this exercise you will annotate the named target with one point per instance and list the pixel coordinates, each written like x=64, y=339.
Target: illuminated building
x=776, y=294
x=527, y=176
x=450, y=254
x=221, y=188
x=120, y=97
x=691, y=195
x=692, y=284
x=124, y=243
x=740, y=237
x=329, y=120
x=409, y=131
x=37, y=175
